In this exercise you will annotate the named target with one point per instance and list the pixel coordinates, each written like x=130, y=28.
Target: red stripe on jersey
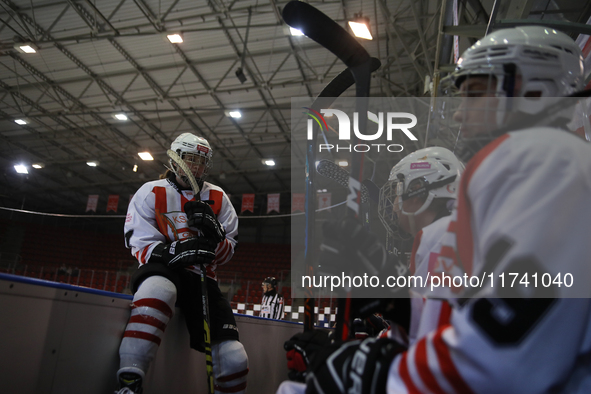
x=444, y=314
x=452, y=227
x=233, y=376
x=425, y=373
x=154, y=303
x=161, y=207
x=446, y=363
x=184, y=200
x=448, y=252
x=415, y=247
x=142, y=335
x=403, y=371
x=149, y=320
x=465, y=244
x=217, y=197
x=233, y=389
x=142, y=258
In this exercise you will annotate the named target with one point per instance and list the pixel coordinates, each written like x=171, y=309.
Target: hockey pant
x=152, y=309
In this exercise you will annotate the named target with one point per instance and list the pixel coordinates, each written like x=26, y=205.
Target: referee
x=272, y=303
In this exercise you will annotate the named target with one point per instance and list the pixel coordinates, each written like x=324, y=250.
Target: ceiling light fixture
x=360, y=27
x=295, y=32
x=145, y=155
x=269, y=162
x=240, y=75
x=175, y=38
x=120, y=116
x=20, y=121
x=26, y=47
x=135, y=168
x=233, y=114
x=21, y=169
x=92, y=163
x=38, y=165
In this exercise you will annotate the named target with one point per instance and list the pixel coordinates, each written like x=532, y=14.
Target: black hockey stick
x=320, y=28
x=204, y=297
x=334, y=89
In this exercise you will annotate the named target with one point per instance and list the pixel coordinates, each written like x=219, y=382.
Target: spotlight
x=240, y=75
x=26, y=47
x=269, y=162
x=21, y=169
x=360, y=27
x=92, y=163
x=175, y=38
x=20, y=121
x=233, y=114
x=145, y=156
x=120, y=116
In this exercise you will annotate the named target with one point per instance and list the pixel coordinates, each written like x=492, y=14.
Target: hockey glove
x=201, y=216
x=300, y=349
x=359, y=367
x=179, y=254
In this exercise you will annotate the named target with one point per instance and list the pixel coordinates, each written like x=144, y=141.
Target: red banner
x=113, y=203
x=273, y=202
x=298, y=202
x=92, y=202
x=247, y=203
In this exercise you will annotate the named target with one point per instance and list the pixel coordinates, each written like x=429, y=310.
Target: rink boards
x=57, y=338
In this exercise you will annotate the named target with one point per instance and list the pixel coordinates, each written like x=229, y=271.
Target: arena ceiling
x=96, y=59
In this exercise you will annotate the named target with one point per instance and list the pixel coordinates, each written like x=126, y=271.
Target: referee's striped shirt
x=272, y=306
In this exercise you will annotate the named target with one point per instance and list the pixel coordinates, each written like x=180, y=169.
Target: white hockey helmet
x=432, y=172
x=547, y=61
x=192, y=149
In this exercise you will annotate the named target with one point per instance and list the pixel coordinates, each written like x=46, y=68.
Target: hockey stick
x=334, y=89
x=204, y=298
x=320, y=28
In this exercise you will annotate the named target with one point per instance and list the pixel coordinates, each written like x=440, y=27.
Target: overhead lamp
x=38, y=165
x=26, y=47
x=295, y=32
x=21, y=169
x=234, y=114
x=145, y=156
x=92, y=163
x=175, y=38
x=269, y=162
x=343, y=163
x=360, y=27
x=20, y=121
x=240, y=75
x=135, y=168
x=120, y=116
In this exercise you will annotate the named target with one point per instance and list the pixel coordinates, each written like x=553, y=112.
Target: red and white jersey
x=523, y=204
x=155, y=215
x=427, y=314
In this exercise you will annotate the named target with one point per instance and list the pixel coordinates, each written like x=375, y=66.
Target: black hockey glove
x=359, y=367
x=201, y=216
x=350, y=248
x=300, y=350
x=179, y=254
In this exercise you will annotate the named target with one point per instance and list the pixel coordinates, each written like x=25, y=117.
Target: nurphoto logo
x=390, y=122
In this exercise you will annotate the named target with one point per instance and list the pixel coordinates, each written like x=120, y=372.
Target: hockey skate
x=130, y=383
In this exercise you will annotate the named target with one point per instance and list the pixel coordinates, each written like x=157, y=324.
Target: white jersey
x=272, y=306
x=155, y=215
x=523, y=202
x=427, y=314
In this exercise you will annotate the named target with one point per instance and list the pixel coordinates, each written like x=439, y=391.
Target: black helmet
x=271, y=280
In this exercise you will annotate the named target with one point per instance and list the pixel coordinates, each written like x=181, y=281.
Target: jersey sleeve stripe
x=142, y=257
x=405, y=375
x=424, y=370
x=446, y=363
x=444, y=314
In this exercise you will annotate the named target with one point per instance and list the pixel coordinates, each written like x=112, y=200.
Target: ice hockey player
x=171, y=232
